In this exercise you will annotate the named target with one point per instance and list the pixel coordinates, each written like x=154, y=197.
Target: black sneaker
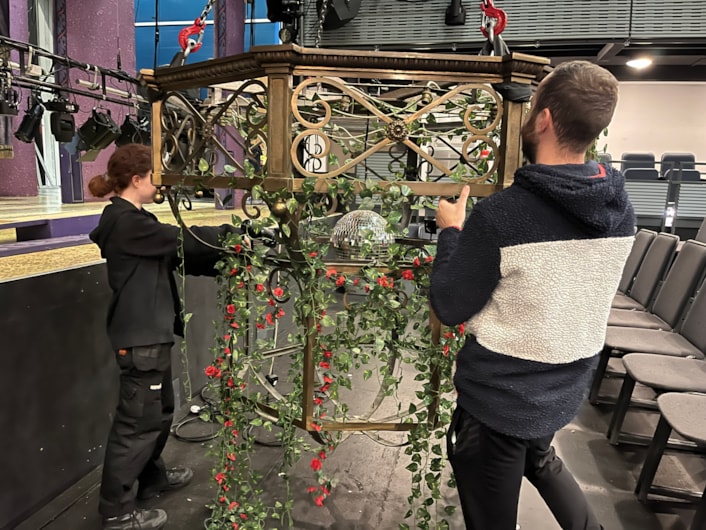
x=177, y=477
x=137, y=520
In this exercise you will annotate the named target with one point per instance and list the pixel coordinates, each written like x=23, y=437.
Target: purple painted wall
x=229, y=40
x=18, y=175
x=93, y=31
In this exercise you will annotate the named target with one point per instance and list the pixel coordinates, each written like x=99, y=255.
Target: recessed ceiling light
x=639, y=64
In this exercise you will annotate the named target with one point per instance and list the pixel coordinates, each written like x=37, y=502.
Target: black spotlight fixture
x=134, y=131
x=63, y=126
x=288, y=12
x=98, y=132
x=29, y=127
x=9, y=100
x=455, y=14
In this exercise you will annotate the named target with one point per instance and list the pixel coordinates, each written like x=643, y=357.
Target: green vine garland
x=382, y=329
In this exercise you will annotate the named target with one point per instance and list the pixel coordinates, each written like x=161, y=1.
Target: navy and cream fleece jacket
x=533, y=273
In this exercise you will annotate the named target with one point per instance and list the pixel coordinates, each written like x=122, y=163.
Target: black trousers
x=140, y=428
x=489, y=467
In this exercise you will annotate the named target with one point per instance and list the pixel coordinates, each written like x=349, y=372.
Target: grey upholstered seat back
x=642, y=242
x=654, y=266
x=701, y=234
x=694, y=329
x=681, y=282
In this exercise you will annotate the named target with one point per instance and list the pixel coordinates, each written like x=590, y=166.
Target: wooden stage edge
x=18, y=209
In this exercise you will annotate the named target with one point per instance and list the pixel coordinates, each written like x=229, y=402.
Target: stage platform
x=62, y=231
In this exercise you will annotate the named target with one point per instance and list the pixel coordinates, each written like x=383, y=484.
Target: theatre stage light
x=30, y=123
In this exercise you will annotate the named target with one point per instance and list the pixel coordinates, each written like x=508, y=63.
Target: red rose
x=237, y=248
x=278, y=292
x=230, y=309
x=408, y=275
x=259, y=287
x=315, y=464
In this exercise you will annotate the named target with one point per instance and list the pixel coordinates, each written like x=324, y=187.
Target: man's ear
x=543, y=121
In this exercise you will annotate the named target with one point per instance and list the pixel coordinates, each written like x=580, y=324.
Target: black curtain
x=5, y=18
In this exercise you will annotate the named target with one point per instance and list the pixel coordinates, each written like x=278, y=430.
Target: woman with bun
x=143, y=316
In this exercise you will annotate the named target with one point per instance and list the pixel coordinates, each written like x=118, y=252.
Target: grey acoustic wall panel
x=677, y=18
x=419, y=24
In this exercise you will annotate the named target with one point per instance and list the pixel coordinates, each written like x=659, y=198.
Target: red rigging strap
x=490, y=11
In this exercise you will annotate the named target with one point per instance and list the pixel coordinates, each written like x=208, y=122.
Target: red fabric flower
x=319, y=500
x=408, y=274
x=325, y=365
x=462, y=328
x=238, y=248
x=259, y=287
x=278, y=292
x=211, y=371
x=220, y=477
x=313, y=254
x=233, y=271
x=269, y=319
x=234, y=325
x=356, y=281
x=328, y=354
x=330, y=272
x=311, y=489
x=429, y=259
x=228, y=423
x=280, y=313
x=341, y=280
x=315, y=464
x=416, y=262
x=259, y=325
x=230, y=309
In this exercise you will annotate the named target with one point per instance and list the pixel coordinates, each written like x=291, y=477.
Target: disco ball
x=359, y=227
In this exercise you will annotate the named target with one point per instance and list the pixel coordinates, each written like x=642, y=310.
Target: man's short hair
x=581, y=97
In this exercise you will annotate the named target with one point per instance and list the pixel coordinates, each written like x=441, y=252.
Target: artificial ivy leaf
x=229, y=169
x=203, y=165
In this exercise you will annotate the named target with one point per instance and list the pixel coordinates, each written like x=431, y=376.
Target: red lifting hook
x=490, y=11
x=195, y=29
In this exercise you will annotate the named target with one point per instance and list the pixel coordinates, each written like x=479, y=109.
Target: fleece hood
x=108, y=220
x=591, y=193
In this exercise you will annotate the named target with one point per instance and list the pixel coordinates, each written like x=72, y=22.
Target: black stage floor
x=374, y=484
